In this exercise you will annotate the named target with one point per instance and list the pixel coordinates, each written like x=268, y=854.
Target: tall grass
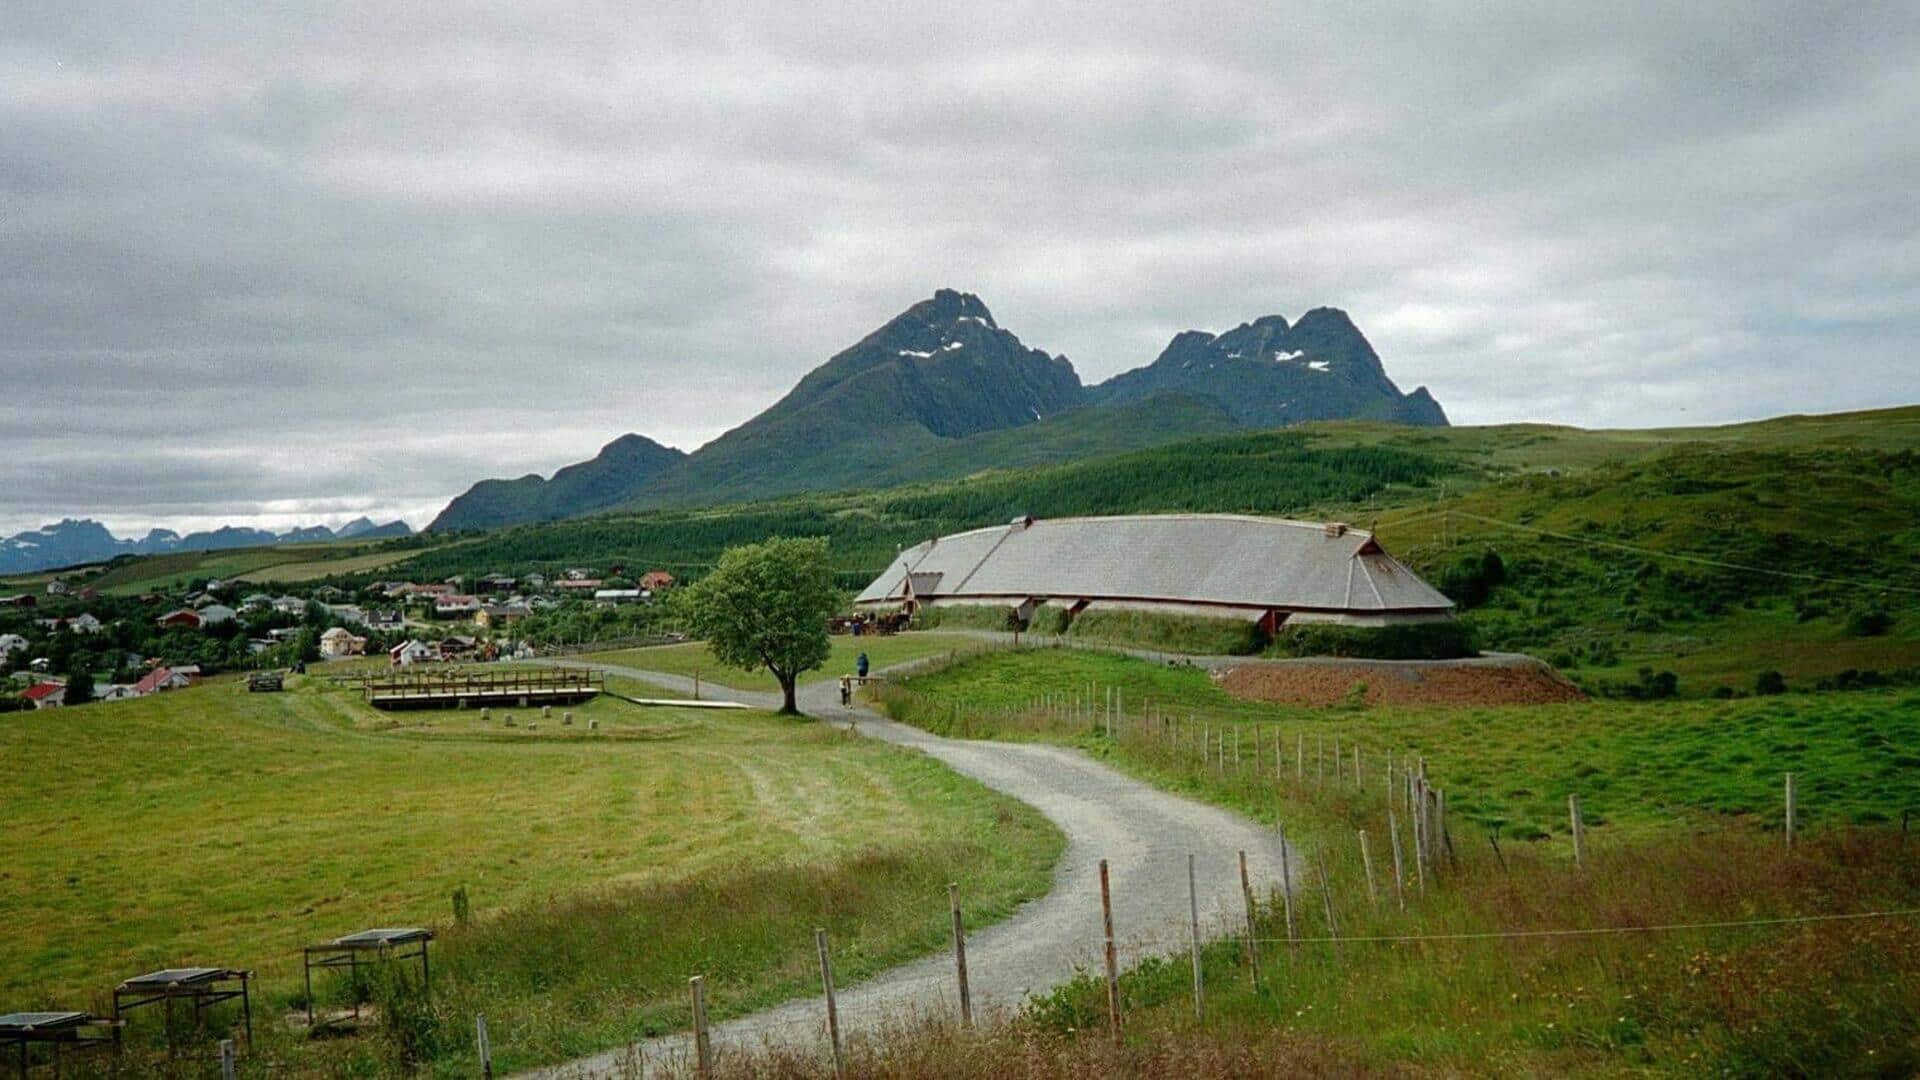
x=1508, y=995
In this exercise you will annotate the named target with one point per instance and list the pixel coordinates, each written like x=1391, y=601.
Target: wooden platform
x=460, y=690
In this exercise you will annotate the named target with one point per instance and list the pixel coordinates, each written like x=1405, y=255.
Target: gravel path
x=1145, y=835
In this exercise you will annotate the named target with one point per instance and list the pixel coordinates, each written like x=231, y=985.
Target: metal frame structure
x=57, y=1029
x=205, y=987
x=345, y=952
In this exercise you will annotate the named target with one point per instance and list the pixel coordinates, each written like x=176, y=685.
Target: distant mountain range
x=71, y=542
x=943, y=390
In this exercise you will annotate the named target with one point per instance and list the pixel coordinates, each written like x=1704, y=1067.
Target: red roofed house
x=655, y=580
x=46, y=695
x=162, y=678
x=186, y=617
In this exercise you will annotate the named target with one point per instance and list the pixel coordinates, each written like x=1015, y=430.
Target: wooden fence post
x=1193, y=927
x=1300, y=757
x=1366, y=861
x=833, y=1010
x=1112, y=957
x=226, y=1059
x=1253, y=938
x=960, y=953
x=483, y=1045
x=702, y=1045
x=1573, y=816
x=1326, y=891
x=1339, y=761
x=1399, y=878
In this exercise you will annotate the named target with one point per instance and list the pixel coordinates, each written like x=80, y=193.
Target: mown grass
x=602, y=871
x=691, y=657
x=1683, y=804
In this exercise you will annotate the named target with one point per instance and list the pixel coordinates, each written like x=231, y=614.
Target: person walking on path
x=860, y=666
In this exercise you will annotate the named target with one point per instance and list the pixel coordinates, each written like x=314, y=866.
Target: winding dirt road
x=1145, y=835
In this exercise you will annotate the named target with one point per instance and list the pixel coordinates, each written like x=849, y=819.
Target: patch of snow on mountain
x=1317, y=365
x=1283, y=357
x=952, y=345
x=910, y=352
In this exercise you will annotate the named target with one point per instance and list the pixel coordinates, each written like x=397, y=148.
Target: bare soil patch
x=1500, y=679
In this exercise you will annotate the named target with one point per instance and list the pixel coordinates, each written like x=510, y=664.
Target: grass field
x=882, y=651
x=602, y=869
x=1637, y=766
x=1683, y=803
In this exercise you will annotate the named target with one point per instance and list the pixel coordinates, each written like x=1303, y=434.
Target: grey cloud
x=310, y=258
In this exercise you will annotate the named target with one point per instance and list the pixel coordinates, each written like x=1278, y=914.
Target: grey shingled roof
x=1199, y=558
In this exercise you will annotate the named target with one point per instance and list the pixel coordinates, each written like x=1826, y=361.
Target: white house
x=10, y=644
x=115, y=692
x=58, y=588
x=290, y=605
x=412, y=652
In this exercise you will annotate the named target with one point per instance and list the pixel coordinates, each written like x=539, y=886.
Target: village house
x=57, y=587
x=412, y=652
x=165, y=678
x=280, y=635
x=655, y=580
x=618, y=596
x=495, y=584
x=46, y=695
x=215, y=614
x=290, y=605
x=20, y=600
x=79, y=624
x=574, y=585
x=1266, y=570
x=181, y=617
x=115, y=692
x=491, y=616
x=455, y=606
x=386, y=620
x=10, y=644
x=256, y=602
x=339, y=641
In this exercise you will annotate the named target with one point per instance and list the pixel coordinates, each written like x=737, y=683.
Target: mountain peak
x=950, y=305
x=1266, y=373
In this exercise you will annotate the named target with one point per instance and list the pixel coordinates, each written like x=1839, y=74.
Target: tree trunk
x=787, y=683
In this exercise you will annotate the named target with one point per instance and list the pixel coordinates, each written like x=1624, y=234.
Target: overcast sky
x=298, y=265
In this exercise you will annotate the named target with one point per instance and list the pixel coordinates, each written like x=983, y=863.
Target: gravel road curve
x=1145, y=835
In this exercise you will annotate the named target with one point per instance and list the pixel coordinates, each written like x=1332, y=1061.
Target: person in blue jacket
x=860, y=666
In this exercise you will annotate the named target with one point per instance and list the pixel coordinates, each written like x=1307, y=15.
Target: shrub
x=1472, y=580
x=1870, y=623
x=1448, y=640
x=968, y=617
x=1193, y=634
x=1770, y=682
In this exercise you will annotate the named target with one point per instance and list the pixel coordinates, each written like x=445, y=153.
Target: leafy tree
x=766, y=605
x=79, y=688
